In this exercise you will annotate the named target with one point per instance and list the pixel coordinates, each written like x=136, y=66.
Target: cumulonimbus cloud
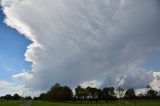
x=83, y=40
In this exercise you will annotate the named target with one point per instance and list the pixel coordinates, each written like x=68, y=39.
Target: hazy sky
x=88, y=42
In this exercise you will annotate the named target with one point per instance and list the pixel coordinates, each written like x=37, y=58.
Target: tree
x=152, y=94
x=43, y=96
x=81, y=93
x=130, y=94
x=120, y=92
x=140, y=96
x=54, y=93
x=100, y=94
x=148, y=87
x=66, y=93
x=8, y=97
x=28, y=98
x=78, y=92
x=92, y=93
x=108, y=93
x=16, y=97
x=59, y=93
x=36, y=98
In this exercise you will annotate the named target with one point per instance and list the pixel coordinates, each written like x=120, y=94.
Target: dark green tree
x=81, y=93
x=130, y=94
x=43, y=96
x=100, y=94
x=66, y=93
x=92, y=93
x=16, y=97
x=28, y=98
x=108, y=93
x=59, y=93
x=54, y=93
x=120, y=92
x=152, y=94
x=8, y=97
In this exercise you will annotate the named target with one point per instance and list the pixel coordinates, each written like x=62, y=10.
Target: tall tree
x=152, y=94
x=130, y=94
x=78, y=92
x=120, y=92
x=108, y=93
x=54, y=93
x=81, y=93
x=59, y=93
x=66, y=93
x=8, y=97
x=100, y=94
x=43, y=96
x=16, y=97
x=92, y=93
x=148, y=87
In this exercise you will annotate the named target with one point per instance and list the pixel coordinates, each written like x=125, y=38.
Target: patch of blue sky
x=152, y=62
x=12, y=49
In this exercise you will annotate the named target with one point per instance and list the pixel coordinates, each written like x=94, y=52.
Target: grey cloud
x=83, y=40
x=158, y=77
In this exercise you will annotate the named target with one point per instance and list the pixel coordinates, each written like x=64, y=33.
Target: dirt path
x=25, y=104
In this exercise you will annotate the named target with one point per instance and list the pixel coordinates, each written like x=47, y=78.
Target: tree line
x=59, y=93
x=15, y=97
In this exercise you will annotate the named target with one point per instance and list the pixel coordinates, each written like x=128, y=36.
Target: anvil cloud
x=76, y=41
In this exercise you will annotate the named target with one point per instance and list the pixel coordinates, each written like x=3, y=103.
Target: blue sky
x=12, y=49
x=152, y=62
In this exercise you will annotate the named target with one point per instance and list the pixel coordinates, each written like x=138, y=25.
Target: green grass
x=10, y=103
x=40, y=103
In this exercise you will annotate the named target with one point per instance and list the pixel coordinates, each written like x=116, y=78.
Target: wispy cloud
x=23, y=76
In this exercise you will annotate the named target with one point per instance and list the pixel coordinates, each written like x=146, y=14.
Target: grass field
x=153, y=103
x=10, y=103
x=40, y=103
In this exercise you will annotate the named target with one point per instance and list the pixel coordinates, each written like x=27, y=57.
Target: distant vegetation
x=15, y=97
x=59, y=93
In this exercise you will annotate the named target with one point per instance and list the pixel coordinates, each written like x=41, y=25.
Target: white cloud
x=12, y=88
x=93, y=83
x=84, y=40
x=23, y=76
x=155, y=83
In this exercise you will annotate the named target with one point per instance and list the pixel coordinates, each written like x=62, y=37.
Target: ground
x=41, y=103
x=10, y=103
x=151, y=103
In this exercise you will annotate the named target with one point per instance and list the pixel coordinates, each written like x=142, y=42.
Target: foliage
x=10, y=97
x=57, y=93
x=130, y=94
x=152, y=94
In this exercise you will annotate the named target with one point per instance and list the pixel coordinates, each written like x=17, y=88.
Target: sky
x=73, y=42
x=12, y=46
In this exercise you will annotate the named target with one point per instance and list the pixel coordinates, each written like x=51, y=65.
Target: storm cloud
x=75, y=41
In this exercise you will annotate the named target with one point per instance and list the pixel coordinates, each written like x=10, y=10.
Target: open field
x=42, y=103
x=153, y=103
x=10, y=103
